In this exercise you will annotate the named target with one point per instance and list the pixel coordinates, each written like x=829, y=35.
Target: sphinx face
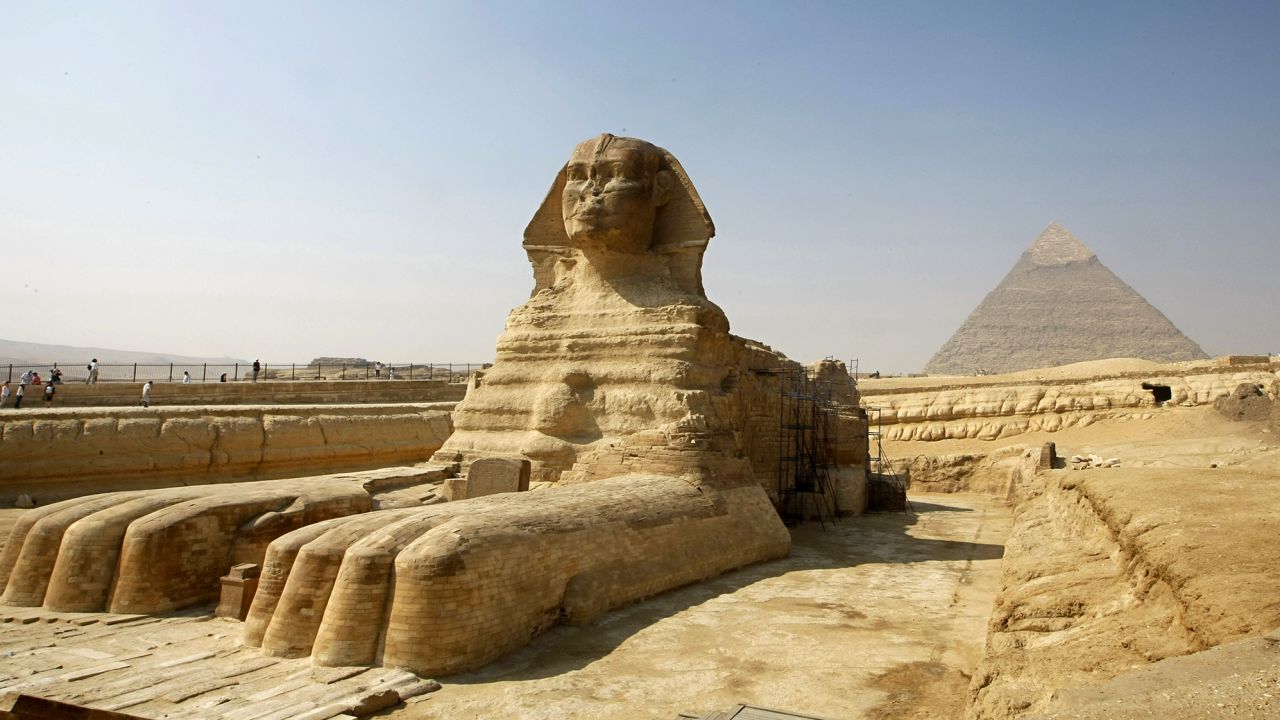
x=612, y=190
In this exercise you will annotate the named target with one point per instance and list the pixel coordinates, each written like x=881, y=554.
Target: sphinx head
x=613, y=188
x=617, y=199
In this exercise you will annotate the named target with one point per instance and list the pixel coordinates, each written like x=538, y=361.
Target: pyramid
x=1059, y=304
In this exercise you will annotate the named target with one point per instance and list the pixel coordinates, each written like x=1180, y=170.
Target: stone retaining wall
x=61, y=453
x=300, y=392
x=1002, y=408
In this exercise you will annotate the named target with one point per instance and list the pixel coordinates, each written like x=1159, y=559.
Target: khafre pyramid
x=1059, y=304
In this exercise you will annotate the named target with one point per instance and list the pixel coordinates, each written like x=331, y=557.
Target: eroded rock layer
x=1098, y=579
x=653, y=430
x=994, y=407
x=157, y=550
x=54, y=455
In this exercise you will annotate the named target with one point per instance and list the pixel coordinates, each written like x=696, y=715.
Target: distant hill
x=17, y=352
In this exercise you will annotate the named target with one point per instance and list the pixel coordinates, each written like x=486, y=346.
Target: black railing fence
x=243, y=372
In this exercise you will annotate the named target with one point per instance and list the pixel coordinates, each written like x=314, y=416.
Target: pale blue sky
x=286, y=180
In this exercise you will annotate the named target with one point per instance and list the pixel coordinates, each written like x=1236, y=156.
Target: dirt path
x=883, y=616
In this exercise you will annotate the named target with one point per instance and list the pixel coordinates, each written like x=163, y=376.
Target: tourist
x=186, y=378
x=55, y=375
x=222, y=378
x=377, y=369
x=5, y=392
x=48, y=394
x=26, y=378
x=256, y=367
x=17, y=399
x=93, y=373
x=146, y=394
x=35, y=378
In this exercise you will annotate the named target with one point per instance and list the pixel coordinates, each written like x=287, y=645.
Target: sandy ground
x=881, y=616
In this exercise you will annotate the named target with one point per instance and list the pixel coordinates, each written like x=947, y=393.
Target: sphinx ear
x=662, y=184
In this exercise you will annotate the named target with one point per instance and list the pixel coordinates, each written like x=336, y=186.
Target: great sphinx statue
x=652, y=434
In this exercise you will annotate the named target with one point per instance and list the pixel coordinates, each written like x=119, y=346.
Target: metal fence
x=239, y=372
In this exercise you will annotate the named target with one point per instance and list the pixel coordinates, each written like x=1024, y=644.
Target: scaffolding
x=809, y=423
x=886, y=489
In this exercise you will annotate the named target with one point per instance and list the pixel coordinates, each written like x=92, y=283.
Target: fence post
x=293, y=371
x=204, y=373
x=10, y=378
x=431, y=371
x=342, y=375
x=170, y=372
x=449, y=377
x=237, y=373
x=410, y=371
x=135, y=372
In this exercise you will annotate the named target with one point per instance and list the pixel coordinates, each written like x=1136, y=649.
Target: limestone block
x=454, y=489
x=158, y=550
x=49, y=456
x=238, y=588
x=850, y=484
x=489, y=476
x=450, y=587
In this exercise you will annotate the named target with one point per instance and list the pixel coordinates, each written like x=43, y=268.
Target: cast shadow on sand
x=884, y=537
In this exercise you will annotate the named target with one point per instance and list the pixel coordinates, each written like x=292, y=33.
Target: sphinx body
x=651, y=429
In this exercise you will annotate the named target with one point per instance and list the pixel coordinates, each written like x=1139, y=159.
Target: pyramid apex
x=1055, y=245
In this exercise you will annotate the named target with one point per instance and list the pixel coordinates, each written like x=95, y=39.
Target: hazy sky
x=287, y=180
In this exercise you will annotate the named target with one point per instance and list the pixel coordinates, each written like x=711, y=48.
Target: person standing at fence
x=146, y=394
x=17, y=399
x=93, y=373
x=222, y=377
x=26, y=378
x=186, y=377
x=256, y=367
x=49, y=390
x=5, y=392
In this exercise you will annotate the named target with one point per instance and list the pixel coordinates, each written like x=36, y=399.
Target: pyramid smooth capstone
x=1059, y=305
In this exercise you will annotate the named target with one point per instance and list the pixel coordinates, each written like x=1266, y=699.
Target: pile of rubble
x=1084, y=462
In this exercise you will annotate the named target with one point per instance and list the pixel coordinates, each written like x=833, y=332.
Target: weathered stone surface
x=454, y=489
x=1059, y=304
x=1246, y=402
x=238, y=589
x=55, y=454
x=489, y=476
x=618, y=382
x=152, y=551
x=298, y=392
x=17, y=706
x=1002, y=406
